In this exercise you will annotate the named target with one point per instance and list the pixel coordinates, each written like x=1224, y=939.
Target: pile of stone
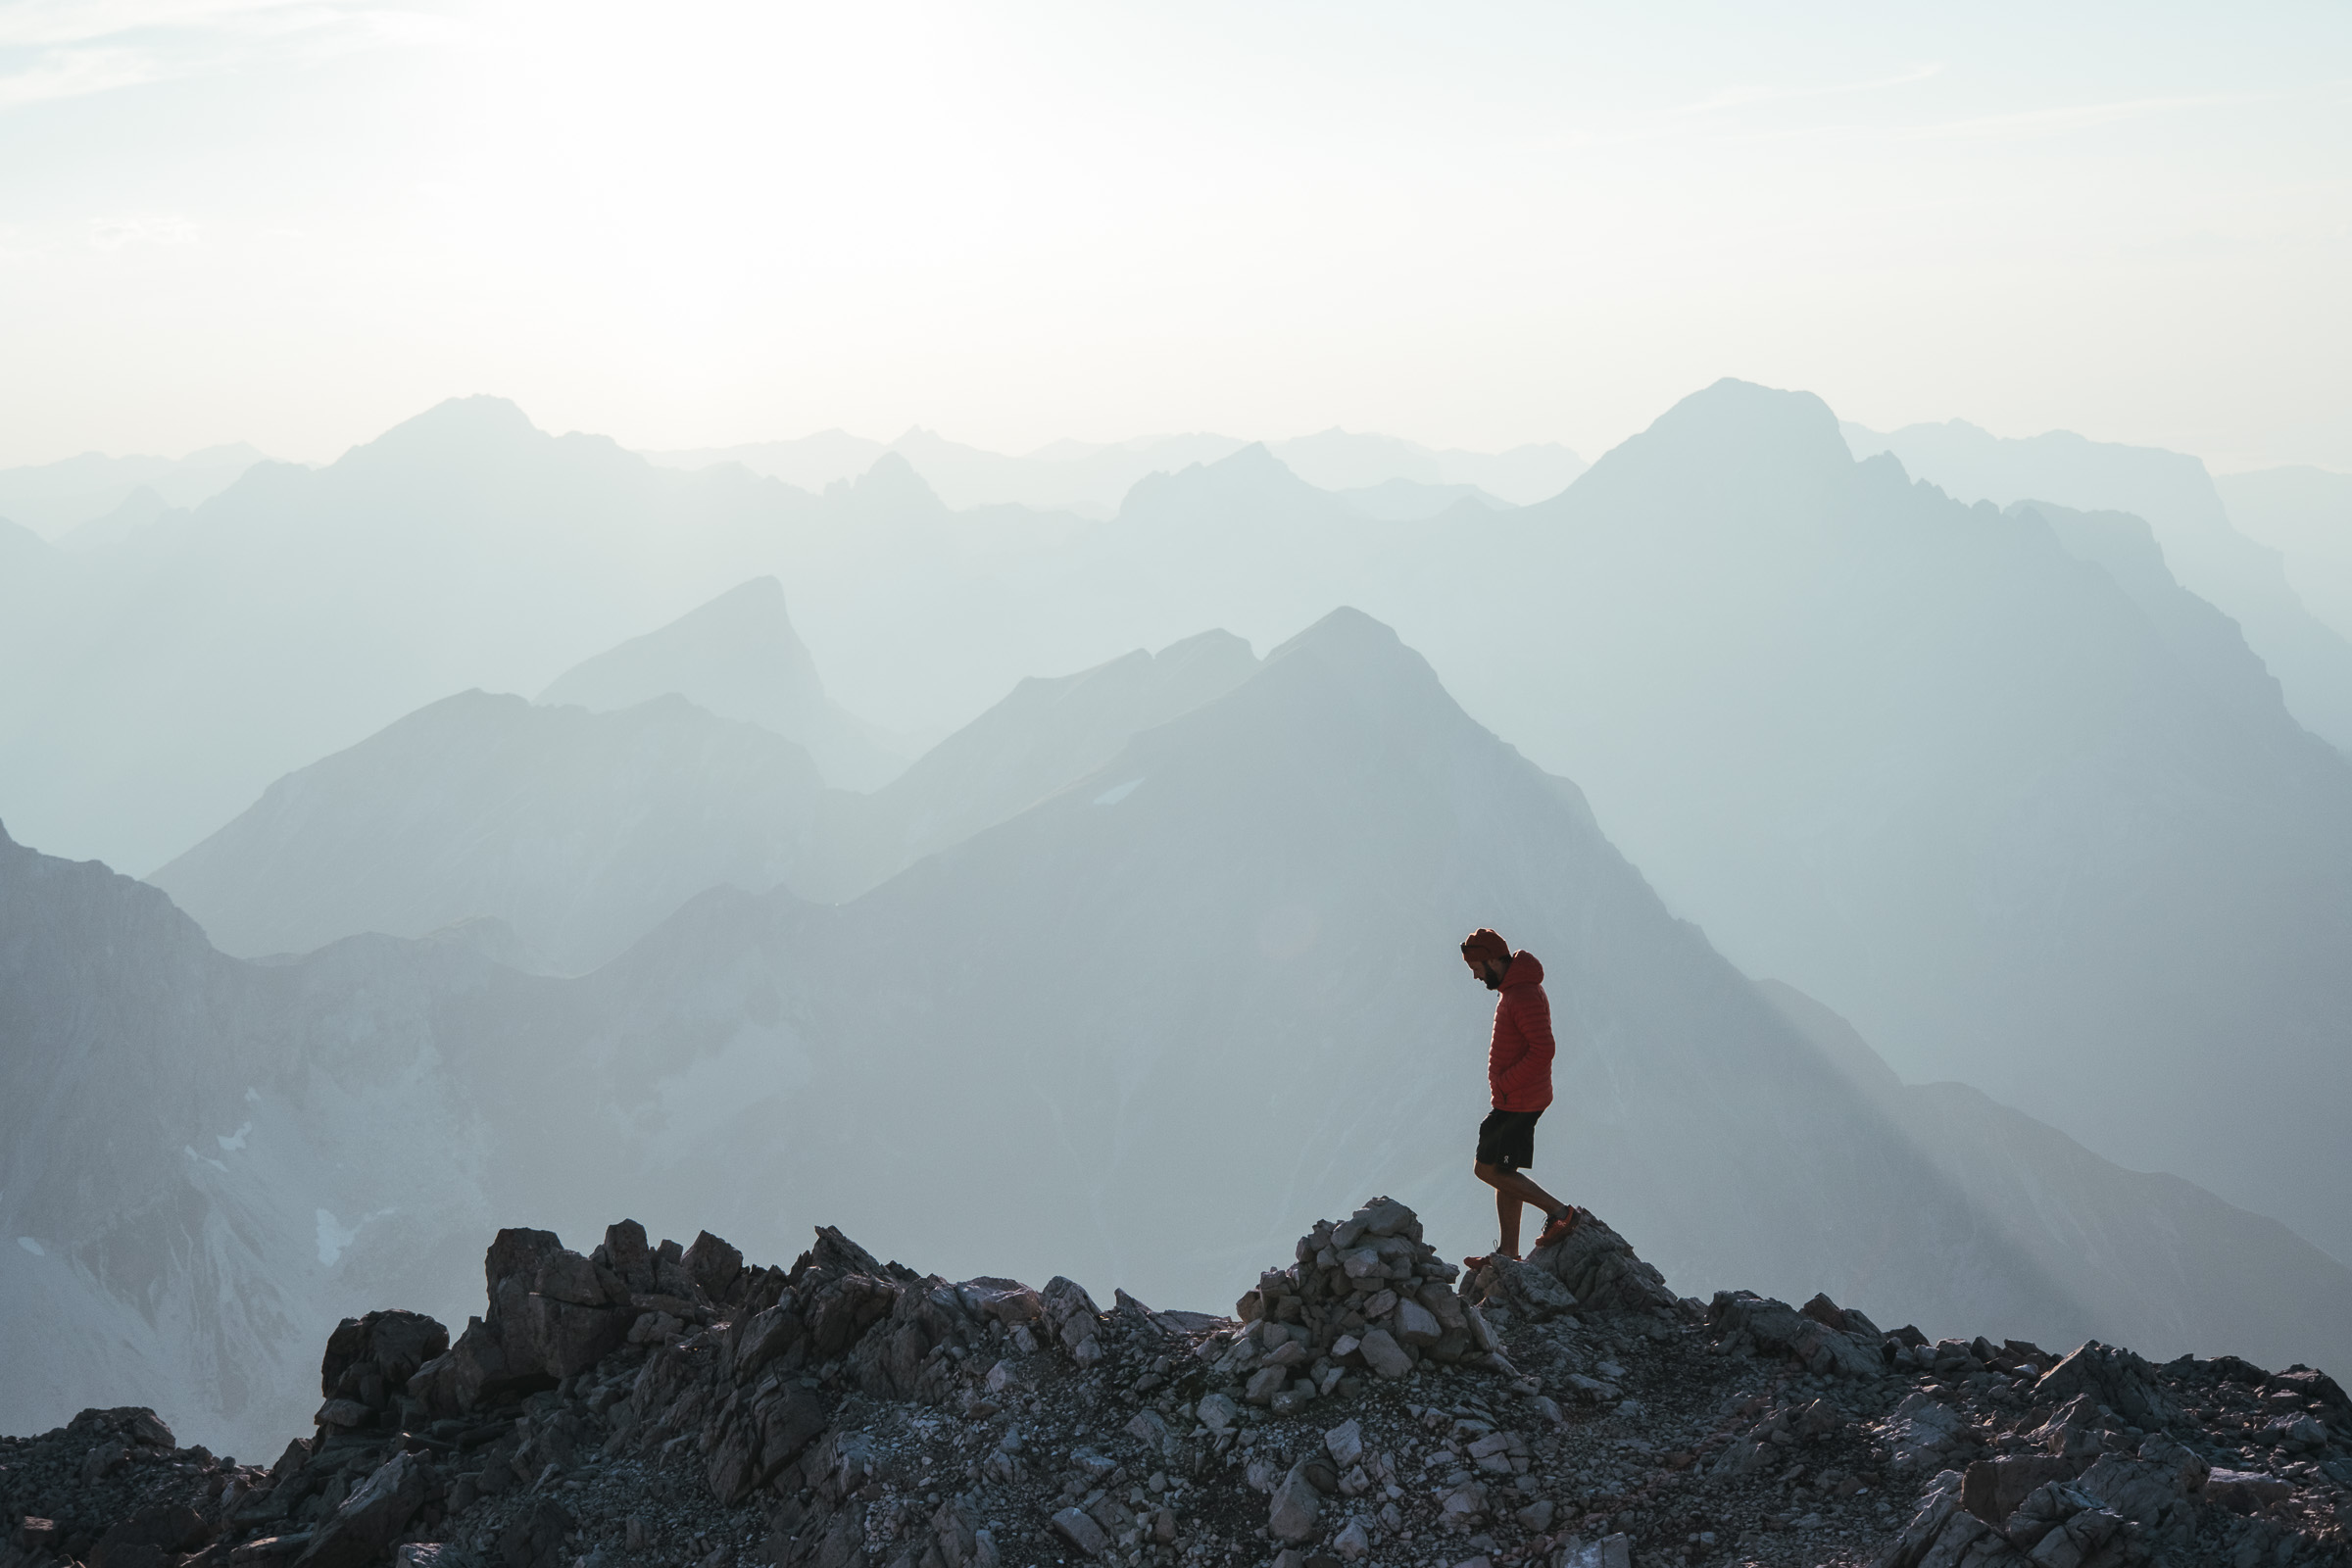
x=1366, y=1293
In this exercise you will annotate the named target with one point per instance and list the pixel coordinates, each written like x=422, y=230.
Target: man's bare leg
x=1511, y=1190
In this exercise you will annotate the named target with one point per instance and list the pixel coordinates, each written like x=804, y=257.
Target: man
x=1519, y=1077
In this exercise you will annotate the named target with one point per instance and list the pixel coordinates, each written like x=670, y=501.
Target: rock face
x=667, y=1404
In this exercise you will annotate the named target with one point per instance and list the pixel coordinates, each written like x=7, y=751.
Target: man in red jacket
x=1519, y=1075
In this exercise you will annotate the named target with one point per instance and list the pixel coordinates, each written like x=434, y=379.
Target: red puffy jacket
x=1519, y=1057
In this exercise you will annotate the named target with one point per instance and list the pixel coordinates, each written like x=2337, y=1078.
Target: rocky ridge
x=676, y=1406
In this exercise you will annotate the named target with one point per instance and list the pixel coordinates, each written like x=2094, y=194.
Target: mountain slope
x=2306, y=516
x=1131, y=1032
x=580, y=830
x=2029, y=825
x=1047, y=733
x=1229, y=953
x=2166, y=1262
x=55, y=499
x=2246, y=580
x=736, y=657
x=203, y=1161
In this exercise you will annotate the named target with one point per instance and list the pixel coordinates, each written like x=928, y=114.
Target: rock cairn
x=1366, y=1293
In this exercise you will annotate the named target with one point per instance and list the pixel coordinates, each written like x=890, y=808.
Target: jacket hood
x=1526, y=971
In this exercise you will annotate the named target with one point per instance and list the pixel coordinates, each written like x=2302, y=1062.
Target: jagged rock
x=371, y=1358
x=1534, y=1293
x=1994, y=1489
x=1921, y=1434
x=371, y=1517
x=629, y=1255
x=535, y=1540
x=1602, y=1270
x=1383, y=1355
x=1293, y=1512
x=2117, y=1379
x=1080, y=1530
x=459, y=1378
x=853, y=1412
x=1778, y=1328
x=144, y=1540
x=712, y=1265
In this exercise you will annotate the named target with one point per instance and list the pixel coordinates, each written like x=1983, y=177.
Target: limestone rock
x=1080, y=1530
x=1602, y=1270
x=1383, y=1355
x=1779, y=1328
x=1295, y=1506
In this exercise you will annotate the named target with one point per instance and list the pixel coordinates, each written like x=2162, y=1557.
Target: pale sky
x=296, y=222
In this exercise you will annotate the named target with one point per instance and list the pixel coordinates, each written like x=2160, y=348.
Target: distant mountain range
x=1141, y=1024
x=90, y=500
x=2306, y=516
x=1381, y=475
x=2245, y=579
x=578, y=832
x=1990, y=781
x=738, y=657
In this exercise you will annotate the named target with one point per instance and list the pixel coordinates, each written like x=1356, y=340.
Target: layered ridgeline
x=164, y=684
x=581, y=831
x=738, y=657
x=1128, y=1032
x=1986, y=783
x=72, y=501
x=674, y=1404
x=2306, y=516
x=2246, y=578
x=1381, y=475
x=1930, y=763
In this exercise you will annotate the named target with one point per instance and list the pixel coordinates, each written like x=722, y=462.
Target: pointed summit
x=1250, y=487
x=892, y=489
x=740, y=657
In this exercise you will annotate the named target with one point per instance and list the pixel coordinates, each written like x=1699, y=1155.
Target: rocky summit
x=1367, y=1403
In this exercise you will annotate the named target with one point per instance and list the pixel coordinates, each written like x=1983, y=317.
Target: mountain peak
x=1245, y=480
x=1726, y=450
x=892, y=486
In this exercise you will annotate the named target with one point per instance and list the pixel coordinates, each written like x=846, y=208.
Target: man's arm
x=1535, y=1024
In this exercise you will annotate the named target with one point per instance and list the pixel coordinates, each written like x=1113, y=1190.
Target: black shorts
x=1507, y=1138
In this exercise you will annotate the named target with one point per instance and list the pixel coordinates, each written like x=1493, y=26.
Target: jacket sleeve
x=1534, y=1026
x=1513, y=1042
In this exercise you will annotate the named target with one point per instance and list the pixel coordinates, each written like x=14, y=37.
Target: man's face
x=1487, y=971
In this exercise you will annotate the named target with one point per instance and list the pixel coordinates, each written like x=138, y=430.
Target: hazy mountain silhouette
x=1071, y=475
x=1981, y=782
x=2245, y=579
x=736, y=657
x=578, y=830
x=203, y=1161
x=1048, y=733
x=573, y=833
x=167, y=681
x=1347, y=461
x=2306, y=516
x=1411, y=501
x=2029, y=823
x=1092, y=479
x=57, y=499
x=1126, y=1034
